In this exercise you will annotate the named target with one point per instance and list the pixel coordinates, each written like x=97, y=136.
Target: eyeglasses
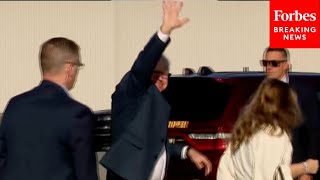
x=78, y=64
x=162, y=74
x=273, y=63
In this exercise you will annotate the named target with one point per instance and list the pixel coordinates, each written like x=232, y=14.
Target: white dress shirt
x=285, y=78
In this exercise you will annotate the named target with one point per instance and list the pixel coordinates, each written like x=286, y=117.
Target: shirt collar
x=285, y=78
x=60, y=85
x=64, y=89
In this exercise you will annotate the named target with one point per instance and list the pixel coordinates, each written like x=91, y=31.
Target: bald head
x=280, y=58
x=55, y=52
x=163, y=64
x=161, y=74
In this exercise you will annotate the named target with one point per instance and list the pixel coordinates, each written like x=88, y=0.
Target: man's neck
x=57, y=80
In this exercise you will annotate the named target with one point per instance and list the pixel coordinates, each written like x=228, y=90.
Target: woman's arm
x=307, y=167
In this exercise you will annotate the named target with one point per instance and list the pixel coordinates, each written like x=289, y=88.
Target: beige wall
x=221, y=34
x=224, y=35
x=25, y=25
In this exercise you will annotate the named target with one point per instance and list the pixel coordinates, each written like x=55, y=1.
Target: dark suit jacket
x=139, y=119
x=46, y=135
x=306, y=138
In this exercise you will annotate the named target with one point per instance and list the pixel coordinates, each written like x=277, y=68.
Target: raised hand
x=171, y=19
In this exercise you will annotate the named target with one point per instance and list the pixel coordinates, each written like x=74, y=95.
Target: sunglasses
x=272, y=63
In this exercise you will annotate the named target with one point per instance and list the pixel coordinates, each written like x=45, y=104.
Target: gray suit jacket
x=139, y=119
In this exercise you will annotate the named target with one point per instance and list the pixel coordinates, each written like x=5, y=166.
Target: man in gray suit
x=140, y=114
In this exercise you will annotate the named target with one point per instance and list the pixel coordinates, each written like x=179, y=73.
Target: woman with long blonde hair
x=260, y=146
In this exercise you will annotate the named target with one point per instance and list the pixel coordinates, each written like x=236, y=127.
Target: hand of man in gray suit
x=171, y=19
x=200, y=160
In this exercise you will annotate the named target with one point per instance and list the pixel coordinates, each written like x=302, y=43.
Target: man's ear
x=67, y=67
x=288, y=66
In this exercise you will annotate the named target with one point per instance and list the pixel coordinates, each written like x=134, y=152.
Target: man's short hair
x=55, y=52
x=163, y=64
x=284, y=51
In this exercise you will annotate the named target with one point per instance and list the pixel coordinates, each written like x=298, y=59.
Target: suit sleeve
x=174, y=150
x=3, y=146
x=310, y=108
x=139, y=76
x=84, y=159
x=3, y=139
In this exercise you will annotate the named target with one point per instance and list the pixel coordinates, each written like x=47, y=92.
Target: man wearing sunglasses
x=276, y=64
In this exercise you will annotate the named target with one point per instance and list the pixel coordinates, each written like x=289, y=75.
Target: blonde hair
x=274, y=105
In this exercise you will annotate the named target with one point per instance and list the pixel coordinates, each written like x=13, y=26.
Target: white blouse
x=258, y=159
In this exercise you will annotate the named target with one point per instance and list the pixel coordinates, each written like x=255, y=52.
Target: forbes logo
x=295, y=16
